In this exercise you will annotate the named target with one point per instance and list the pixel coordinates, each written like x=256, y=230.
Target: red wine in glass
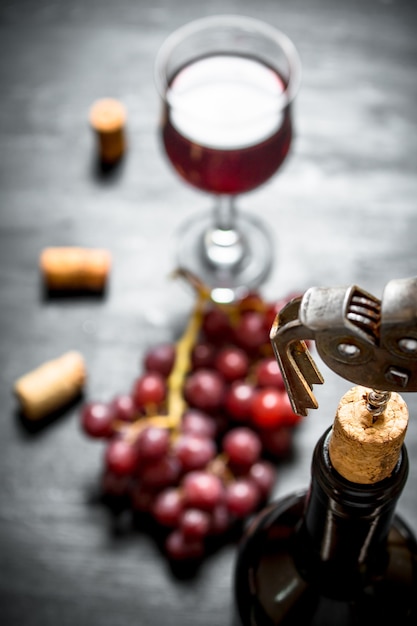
x=204, y=137
x=227, y=84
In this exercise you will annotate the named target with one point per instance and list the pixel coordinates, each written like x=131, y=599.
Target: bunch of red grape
x=193, y=442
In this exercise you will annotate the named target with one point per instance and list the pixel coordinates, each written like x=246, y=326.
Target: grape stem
x=176, y=404
x=219, y=467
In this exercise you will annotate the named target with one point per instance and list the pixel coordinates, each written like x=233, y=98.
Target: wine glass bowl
x=227, y=84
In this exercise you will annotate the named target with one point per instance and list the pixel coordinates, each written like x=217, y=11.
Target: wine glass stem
x=224, y=245
x=225, y=213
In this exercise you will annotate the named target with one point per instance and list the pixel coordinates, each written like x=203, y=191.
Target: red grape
x=149, y=389
x=202, y=490
x=271, y=408
x=250, y=331
x=198, y=423
x=203, y=355
x=268, y=407
x=179, y=548
x=164, y=472
x=194, y=523
x=242, y=446
x=160, y=359
x=167, y=507
x=153, y=443
x=268, y=373
x=205, y=390
x=194, y=452
x=216, y=326
x=121, y=457
x=232, y=363
x=238, y=401
x=263, y=474
x=242, y=497
x=97, y=419
x=124, y=408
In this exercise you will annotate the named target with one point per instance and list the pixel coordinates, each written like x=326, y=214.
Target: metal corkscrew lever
x=367, y=341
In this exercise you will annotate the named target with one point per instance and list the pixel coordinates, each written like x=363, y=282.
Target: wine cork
x=362, y=448
x=75, y=268
x=51, y=385
x=108, y=119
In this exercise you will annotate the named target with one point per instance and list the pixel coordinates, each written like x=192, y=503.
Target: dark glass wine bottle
x=335, y=555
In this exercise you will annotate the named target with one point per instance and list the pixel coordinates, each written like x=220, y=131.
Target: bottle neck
x=346, y=523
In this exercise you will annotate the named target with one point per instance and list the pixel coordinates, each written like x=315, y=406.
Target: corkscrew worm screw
x=365, y=340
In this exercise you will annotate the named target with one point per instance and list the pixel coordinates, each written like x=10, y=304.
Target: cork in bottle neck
x=365, y=449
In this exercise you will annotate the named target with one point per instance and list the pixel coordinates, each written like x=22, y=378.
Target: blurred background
x=342, y=211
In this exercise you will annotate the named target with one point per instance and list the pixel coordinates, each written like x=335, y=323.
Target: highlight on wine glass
x=227, y=84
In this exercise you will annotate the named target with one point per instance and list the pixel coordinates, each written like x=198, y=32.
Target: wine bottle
x=337, y=554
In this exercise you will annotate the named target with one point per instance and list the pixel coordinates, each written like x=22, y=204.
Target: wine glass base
x=227, y=283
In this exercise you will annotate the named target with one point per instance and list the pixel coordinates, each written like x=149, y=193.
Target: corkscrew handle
x=365, y=340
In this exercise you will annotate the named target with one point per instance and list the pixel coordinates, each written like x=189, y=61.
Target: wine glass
x=227, y=84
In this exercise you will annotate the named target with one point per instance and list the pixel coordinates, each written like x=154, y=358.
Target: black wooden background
x=343, y=210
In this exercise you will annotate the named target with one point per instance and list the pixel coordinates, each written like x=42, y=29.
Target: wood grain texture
x=343, y=210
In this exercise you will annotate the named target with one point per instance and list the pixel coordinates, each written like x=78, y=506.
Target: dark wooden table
x=343, y=210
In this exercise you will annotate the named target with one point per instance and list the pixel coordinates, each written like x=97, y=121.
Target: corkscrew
x=365, y=340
